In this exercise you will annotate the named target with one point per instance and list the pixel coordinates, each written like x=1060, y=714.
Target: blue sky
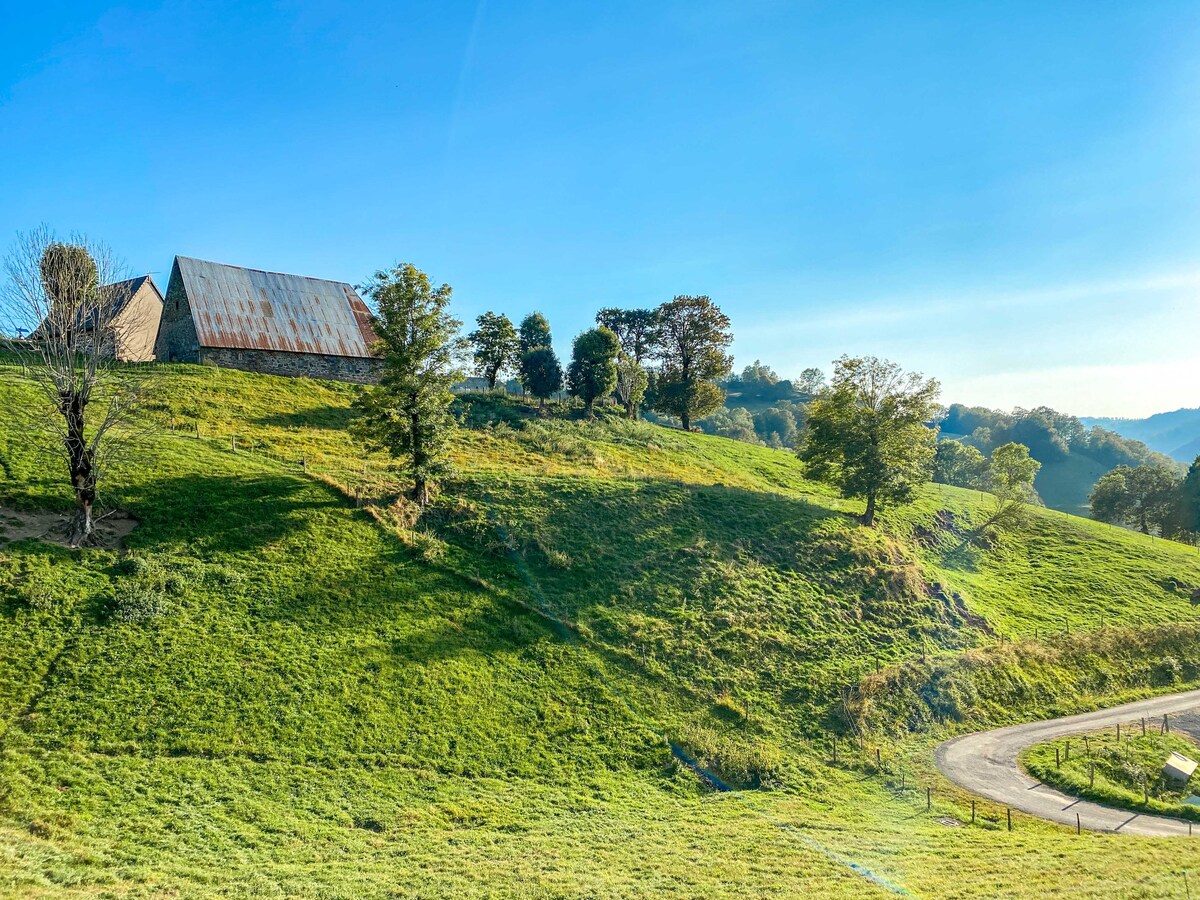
x=1004, y=196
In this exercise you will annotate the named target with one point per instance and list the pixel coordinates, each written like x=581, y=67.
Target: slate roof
x=248, y=309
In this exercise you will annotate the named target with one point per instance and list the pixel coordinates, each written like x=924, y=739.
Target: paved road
x=985, y=763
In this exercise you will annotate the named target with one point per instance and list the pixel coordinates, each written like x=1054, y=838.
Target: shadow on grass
x=224, y=513
x=328, y=418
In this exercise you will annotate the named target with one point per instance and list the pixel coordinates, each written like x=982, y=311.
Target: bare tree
x=68, y=297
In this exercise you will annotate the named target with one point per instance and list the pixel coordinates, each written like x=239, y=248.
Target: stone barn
x=266, y=322
x=136, y=307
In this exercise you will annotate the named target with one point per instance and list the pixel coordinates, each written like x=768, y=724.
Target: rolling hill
x=612, y=660
x=1175, y=434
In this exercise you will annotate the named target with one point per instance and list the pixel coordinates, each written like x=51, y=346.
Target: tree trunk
x=686, y=419
x=868, y=518
x=82, y=527
x=420, y=459
x=491, y=379
x=83, y=472
x=588, y=408
x=420, y=492
x=1145, y=523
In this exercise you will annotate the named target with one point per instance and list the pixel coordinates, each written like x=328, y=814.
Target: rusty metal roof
x=247, y=309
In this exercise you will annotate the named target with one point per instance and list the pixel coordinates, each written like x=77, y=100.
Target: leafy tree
x=1184, y=521
x=408, y=413
x=1010, y=477
x=593, y=370
x=736, y=423
x=636, y=329
x=759, y=374
x=631, y=384
x=693, y=337
x=959, y=464
x=89, y=403
x=811, y=382
x=496, y=346
x=867, y=433
x=778, y=421
x=534, y=333
x=541, y=373
x=1143, y=496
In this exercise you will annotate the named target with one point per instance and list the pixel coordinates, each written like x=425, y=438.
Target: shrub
x=139, y=603
x=1166, y=671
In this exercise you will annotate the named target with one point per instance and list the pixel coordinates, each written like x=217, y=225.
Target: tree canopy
x=868, y=435
x=693, y=338
x=636, y=329
x=1143, y=496
x=534, y=333
x=408, y=413
x=959, y=464
x=541, y=373
x=496, y=346
x=593, y=370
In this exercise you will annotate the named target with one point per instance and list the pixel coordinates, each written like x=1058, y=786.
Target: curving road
x=985, y=763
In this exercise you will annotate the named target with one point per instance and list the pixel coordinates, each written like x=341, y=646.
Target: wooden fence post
x=1009, y=814
x=972, y=812
x=1078, y=825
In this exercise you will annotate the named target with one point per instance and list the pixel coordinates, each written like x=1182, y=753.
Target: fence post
x=972, y=812
x=1009, y=814
x=1057, y=759
x=1078, y=825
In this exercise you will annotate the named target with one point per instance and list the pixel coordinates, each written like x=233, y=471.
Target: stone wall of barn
x=177, y=340
x=308, y=365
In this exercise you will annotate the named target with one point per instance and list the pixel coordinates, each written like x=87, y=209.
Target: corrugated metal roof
x=248, y=309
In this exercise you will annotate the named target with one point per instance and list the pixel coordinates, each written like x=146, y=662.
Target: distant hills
x=1175, y=434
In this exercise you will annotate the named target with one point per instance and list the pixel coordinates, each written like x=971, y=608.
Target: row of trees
x=669, y=358
x=1151, y=498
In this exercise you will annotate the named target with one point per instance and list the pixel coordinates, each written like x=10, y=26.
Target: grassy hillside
x=286, y=687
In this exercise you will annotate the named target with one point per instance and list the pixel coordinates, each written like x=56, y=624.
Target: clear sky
x=1003, y=195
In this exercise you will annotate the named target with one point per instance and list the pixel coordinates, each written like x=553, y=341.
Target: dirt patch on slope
x=52, y=527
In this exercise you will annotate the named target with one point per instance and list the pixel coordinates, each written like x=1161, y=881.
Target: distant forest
x=762, y=408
